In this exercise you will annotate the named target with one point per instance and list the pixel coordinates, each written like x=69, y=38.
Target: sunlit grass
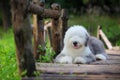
x=8, y=65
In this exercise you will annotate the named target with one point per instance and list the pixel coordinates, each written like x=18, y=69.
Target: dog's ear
x=87, y=38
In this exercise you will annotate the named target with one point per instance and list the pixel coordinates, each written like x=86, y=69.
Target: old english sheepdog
x=80, y=47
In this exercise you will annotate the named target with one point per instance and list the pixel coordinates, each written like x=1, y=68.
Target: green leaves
x=48, y=56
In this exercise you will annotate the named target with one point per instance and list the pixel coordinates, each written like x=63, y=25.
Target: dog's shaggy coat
x=80, y=47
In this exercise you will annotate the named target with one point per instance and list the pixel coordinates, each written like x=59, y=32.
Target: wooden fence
x=21, y=10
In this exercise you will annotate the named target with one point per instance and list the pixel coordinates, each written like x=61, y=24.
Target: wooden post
x=40, y=28
x=39, y=10
x=105, y=39
x=47, y=29
x=50, y=35
x=56, y=31
x=23, y=35
x=5, y=14
x=98, y=31
x=48, y=13
x=35, y=34
x=37, y=7
x=64, y=21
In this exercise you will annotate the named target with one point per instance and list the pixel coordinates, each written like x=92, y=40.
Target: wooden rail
x=104, y=37
x=58, y=26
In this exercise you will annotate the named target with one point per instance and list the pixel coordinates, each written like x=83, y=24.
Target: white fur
x=100, y=56
x=80, y=60
x=84, y=51
x=65, y=59
x=75, y=34
x=75, y=49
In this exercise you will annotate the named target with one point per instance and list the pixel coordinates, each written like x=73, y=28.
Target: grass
x=8, y=65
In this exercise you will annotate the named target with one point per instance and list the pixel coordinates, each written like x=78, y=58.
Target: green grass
x=8, y=65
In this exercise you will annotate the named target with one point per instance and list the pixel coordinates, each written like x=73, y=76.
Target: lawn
x=8, y=65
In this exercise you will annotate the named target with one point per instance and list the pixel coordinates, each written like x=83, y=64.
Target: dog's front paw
x=79, y=60
x=65, y=59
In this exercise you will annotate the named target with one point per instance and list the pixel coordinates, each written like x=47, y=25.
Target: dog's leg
x=80, y=60
x=84, y=59
x=100, y=57
x=61, y=58
x=66, y=60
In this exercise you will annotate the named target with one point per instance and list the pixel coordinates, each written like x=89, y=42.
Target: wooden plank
x=113, y=57
x=98, y=32
x=105, y=39
x=99, y=70
x=48, y=13
x=78, y=68
x=113, y=51
x=74, y=77
x=107, y=62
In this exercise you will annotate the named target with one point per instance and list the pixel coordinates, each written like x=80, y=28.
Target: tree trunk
x=23, y=36
x=6, y=14
x=40, y=37
x=64, y=21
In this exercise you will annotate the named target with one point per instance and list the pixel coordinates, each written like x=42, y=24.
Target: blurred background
x=89, y=13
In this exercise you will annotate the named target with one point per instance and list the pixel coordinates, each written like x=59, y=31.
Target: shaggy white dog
x=80, y=47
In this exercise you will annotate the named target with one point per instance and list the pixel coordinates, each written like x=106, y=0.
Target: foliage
x=8, y=65
x=110, y=25
x=109, y=7
x=48, y=57
x=74, y=3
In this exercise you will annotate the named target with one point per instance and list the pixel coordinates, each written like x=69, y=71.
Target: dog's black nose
x=75, y=43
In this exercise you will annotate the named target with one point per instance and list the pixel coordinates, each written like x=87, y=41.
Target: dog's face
x=77, y=41
x=76, y=37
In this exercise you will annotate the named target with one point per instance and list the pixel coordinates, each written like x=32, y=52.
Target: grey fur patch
x=96, y=46
x=90, y=58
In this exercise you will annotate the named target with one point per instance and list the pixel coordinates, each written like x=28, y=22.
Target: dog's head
x=76, y=37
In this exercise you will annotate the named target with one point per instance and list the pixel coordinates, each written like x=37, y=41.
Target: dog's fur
x=80, y=47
